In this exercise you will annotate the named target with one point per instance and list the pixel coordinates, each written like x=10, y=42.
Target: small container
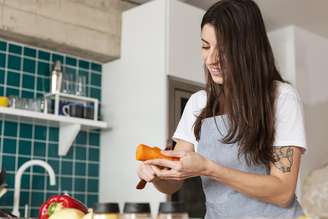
x=106, y=211
x=136, y=211
x=172, y=210
x=56, y=78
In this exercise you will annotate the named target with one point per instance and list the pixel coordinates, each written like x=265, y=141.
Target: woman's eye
x=205, y=47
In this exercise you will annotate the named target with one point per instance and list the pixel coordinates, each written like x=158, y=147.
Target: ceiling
x=311, y=15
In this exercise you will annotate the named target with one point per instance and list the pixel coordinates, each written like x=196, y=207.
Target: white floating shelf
x=69, y=127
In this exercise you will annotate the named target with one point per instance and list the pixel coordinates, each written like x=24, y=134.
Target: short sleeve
x=289, y=123
x=185, y=128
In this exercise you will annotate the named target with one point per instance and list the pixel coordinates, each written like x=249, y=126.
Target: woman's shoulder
x=285, y=89
x=198, y=100
x=201, y=94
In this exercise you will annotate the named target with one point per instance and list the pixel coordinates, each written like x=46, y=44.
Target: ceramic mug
x=74, y=110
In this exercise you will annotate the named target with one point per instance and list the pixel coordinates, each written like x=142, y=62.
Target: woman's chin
x=217, y=79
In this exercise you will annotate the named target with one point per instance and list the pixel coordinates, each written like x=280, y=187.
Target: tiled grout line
x=59, y=175
x=36, y=59
x=50, y=142
x=46, y=179
x=52, y=159
x=21, y=76
x=86, y=183
x=30, y=171
x=6, y=71
x=45, y=50
x=50, y=191
x=31, y=90
x=2, y=142
x=45, y=62
x=73, y=170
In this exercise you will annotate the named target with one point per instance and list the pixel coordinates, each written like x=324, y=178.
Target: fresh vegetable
x=67, y=213
x=60, y=202
x=145, y=152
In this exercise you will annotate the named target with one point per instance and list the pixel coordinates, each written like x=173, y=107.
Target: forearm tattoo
x=283, y=157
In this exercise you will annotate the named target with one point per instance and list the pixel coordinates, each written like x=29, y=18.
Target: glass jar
x=106, y=211
x=172, y=210
x=136, y=211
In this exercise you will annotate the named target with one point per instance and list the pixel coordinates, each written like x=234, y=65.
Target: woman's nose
x=212, y=58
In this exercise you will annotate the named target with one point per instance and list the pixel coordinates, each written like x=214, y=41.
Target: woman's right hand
x=146, y=172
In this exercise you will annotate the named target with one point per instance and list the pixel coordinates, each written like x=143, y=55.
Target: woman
x=247, y=126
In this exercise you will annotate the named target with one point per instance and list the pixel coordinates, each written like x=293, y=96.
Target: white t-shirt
x=289, y=125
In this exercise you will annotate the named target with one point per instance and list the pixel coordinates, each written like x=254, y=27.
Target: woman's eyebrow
x=205, y=41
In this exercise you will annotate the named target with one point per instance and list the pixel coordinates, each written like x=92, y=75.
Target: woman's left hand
x=190, y=164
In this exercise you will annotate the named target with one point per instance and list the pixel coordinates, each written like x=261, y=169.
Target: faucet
x=18, y=179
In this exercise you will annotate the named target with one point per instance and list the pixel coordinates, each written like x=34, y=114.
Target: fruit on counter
x=67, y=213
x=145, y=152
x=4, y=101
x=59, y=203
x=89, y=215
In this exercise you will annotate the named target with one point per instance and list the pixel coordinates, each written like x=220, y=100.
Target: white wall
x=311, y=79
x=135, y=91
x=301, y=57
x=134, y=100
x=185, y=42
x=283, y=46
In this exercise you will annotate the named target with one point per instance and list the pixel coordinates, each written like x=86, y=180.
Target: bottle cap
x=103, y=208
x=171, y=207
x=130, y=207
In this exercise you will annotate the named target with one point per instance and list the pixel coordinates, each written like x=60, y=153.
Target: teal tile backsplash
x=25, y=72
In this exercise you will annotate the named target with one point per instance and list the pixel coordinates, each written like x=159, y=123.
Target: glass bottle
x=172, y=210
x=56, y=78
x=106, y=211
x=136, y=211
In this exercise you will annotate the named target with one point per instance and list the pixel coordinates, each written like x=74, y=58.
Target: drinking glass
x=68, y=84
x=81, y=86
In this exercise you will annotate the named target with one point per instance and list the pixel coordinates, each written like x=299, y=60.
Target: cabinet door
x=191, y=192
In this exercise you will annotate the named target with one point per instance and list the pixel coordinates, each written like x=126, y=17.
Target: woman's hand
x=190, y=164
x=146, y=172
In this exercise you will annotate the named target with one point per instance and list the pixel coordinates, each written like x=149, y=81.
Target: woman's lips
x=215, y=71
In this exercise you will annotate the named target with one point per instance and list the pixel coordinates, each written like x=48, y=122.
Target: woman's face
x=210, y=53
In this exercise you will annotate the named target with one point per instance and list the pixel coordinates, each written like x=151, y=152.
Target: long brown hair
x=249, y=75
